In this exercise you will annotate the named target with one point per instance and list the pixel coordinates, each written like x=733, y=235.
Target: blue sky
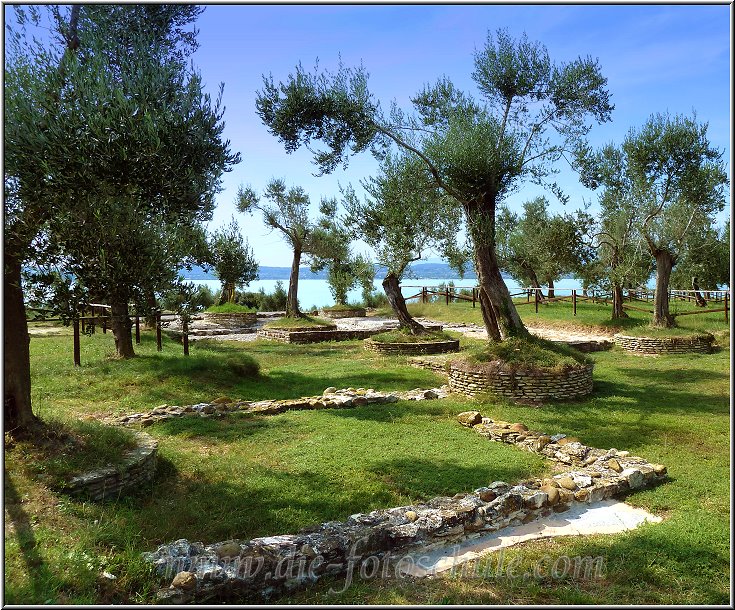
x=656, y=58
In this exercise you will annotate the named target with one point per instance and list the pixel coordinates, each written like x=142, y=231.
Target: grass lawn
x=247, y=476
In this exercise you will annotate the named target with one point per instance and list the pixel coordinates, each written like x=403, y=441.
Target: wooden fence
x=535, y=295
x=98, y=314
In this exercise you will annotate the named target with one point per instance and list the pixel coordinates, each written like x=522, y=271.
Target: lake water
x=315, y=293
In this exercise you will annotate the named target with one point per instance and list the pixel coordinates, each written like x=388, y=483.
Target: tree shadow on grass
x=37, y=570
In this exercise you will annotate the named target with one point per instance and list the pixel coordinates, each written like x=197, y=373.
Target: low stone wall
x=231, y=320
x=313, y=336
x=701, y=344
x=412, y=349
x=255, y=569
x=588, y=346
x=564, y=385
x=138, y=467
x=332, y=398
x=358, y=312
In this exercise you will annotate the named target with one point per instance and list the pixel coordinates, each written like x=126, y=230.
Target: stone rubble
x=258, y=568
x=331, y=398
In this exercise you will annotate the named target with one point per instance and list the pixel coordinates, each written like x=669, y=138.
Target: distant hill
x=428, y=271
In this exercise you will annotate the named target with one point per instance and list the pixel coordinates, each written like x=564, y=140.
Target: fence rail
x=459, y=293
x=99, y=314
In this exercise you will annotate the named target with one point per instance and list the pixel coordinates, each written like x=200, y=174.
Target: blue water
x=315, y=293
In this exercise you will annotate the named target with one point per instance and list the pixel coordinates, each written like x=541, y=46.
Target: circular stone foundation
x=533, y=386
x=412, y=349
x=696, y=344
x=357, y=312
x=231, y=320
x=108, y=483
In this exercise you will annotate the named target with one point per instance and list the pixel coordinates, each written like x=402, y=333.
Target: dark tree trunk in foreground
x=121, y=327
x=664, y=265
x=498, y=311
x=697, y=294
x=551, y=289
x=17, y=411
x=292, y=300
x=395, y=297
x=617, y=303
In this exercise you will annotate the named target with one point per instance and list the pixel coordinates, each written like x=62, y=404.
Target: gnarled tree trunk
x=292, y=300
x=551, y=294
x=121, y=327
x=228, y=293
x=498, y=311
x=19, y=418
x=664, y=264
x=395, y=297
x=617, y=303
x=697, y=294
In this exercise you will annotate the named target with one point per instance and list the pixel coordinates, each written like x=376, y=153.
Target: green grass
x=528, y=354
x=341, y=307
x=403, y=335
x=593, y=316
x=304, y=322
x=230, y=308
x=63, y=449
x=654, y=331
x=246, y=476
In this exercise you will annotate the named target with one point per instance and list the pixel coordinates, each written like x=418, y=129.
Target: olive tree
x=540, y=247
x=112, y=152
x=233, y=260
x=333, y=252
x=675, y=181
x=287, y=212
x=404, y=217
x=530, y=111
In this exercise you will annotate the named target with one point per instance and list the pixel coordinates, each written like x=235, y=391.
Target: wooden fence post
x=104, y=319
x=574, y=301
x=77, y=355
x=474, y=297
x=726, y=308
x=446, y=293
x=423, y=295
x=185, y=331
x=536, y=300
x=159, y=347
x=137, y=328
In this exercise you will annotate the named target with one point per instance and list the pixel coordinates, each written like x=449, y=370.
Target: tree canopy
x=233, y=260
x=674, y=180
x=529, y=114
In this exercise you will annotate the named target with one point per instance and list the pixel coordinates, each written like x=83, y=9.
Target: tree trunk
x=152, y=306
x=228, y=293
x=551, y=289
x=697, y=294
x=19, y=418
x=292, y=300
x=533, y=278
x=498, y=311
x=121, y=327
x=617, y=303
x=661, y=316
x=395, y=297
